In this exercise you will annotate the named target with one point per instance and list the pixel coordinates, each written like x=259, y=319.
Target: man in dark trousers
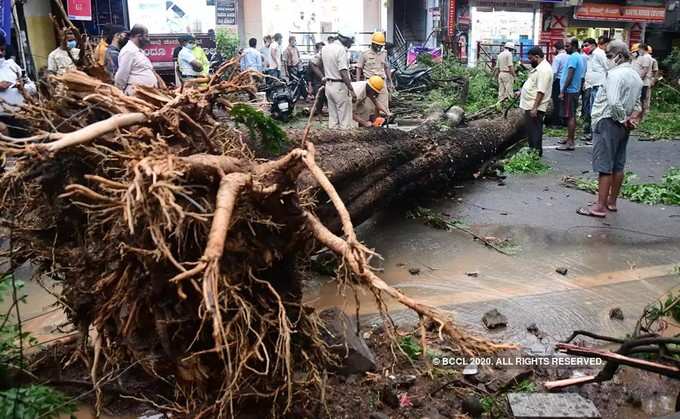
x=571, y=81
x=535, y=96
x=559, y=61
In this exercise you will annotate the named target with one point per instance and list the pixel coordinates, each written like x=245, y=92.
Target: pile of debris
x=176, y=236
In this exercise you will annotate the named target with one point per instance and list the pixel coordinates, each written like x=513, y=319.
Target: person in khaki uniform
x=373, y=62
x=368, y=102
x=506, y=72
x=339, y=91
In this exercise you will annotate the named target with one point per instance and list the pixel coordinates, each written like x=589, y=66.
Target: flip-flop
x=565, y=148
x=562, y=142
x=586, y=211
x=612, y=209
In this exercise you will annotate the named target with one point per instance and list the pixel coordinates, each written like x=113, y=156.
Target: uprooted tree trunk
x=181, y=249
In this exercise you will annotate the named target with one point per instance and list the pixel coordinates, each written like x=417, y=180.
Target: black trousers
x=556, y=115
x=535, y=131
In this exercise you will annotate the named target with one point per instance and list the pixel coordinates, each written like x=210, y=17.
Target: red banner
x=596, y=11
x=79, y=9
x=452, y=18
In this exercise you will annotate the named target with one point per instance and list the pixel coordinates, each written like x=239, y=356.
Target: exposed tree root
x=181, y=249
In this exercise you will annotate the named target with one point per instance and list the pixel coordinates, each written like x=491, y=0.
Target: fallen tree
x=179, y=244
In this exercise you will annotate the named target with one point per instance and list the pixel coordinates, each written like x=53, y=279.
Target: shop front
x=626, y=22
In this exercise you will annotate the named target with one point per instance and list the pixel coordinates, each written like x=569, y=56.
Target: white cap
x=510, y=45
x=346, y=31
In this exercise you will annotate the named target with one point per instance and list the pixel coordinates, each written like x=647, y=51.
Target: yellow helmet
x=376, y=83
x=634, y=48
x=378, y=38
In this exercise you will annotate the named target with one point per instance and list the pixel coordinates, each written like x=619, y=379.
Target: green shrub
x=227, y=43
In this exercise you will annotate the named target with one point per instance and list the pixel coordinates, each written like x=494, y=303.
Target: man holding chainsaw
x=368, y=107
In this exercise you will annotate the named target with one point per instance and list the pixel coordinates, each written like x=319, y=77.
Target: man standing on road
x=506, y=72
x=316, y=68
x=643, y=65
x=251, y=59
x=570, y=85
x=616, y=111
x=535, y=96
x=558, y=64
x=373, y=62
x=291, y=57
x=189, y=66
x=118, y=41
x=595, y=76
x=589, y=45
x=339, y=91
x=65, y=56
x=134, y=67
x=276, y=50
x=652, y=76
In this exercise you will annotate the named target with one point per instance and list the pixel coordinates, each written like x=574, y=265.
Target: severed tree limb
x=469, y=345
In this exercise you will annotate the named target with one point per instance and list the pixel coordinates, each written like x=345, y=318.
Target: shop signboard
x=614, y=12
x=79, y=9
x=225, y=12
x=452, y=18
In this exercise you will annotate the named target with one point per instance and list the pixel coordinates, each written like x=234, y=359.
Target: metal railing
x=306, y=40
x=487, y=53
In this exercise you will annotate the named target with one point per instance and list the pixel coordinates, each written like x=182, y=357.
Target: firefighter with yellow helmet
x=368, y=108
x=373, y=62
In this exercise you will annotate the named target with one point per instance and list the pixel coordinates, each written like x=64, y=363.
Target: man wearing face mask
x=535, y=96
x=189, y=66
x=373, y=62
x=65, y=56
x=134, y=67
x=117, y=41
x=616, y=111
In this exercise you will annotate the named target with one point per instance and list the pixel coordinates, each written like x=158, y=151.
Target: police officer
x=339, y=91
x=373, y=62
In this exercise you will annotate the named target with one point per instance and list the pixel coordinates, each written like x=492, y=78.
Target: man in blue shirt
x=571, y=81
x=251, y=58
x=558, y=64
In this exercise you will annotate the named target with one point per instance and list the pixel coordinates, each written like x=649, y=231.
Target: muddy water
x=604, y=271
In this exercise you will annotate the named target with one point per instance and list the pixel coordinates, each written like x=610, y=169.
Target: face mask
x=613, y=62
x=143, y=42
x=71, y=44
x=534, y=64
x=191, y=46
x=587, y=50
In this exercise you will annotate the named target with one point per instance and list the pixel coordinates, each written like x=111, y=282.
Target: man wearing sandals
x=616, y=111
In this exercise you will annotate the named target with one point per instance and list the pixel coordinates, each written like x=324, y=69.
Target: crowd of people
x=612, y=85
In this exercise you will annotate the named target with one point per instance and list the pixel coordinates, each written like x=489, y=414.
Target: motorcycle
x=283, y=96
x=412, y=80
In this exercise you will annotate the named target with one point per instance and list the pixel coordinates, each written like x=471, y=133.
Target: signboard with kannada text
x=79, y=9
x=225, y=12
x=615, y=12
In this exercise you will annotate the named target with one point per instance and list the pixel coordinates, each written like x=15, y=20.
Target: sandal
x=612, y=208
x=588, y=212
x=565, y=148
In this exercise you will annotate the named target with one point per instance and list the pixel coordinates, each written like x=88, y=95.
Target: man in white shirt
x=595, y=75
x=616, y=111
x=652, y=77
x=339, y=91
x=535, y=96
x=276, y=49
x=64, y=58
x=134, y=67
x=11, y=98
x=643, y=65
x=189, y=66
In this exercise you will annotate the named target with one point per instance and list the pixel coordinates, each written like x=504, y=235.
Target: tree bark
x=373, y=168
